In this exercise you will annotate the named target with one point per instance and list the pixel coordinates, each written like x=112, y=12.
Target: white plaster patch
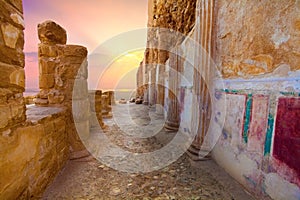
x=280, y=189
x=279, y=37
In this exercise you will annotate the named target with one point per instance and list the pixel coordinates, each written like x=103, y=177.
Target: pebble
x=115, y=191
x=163, y=175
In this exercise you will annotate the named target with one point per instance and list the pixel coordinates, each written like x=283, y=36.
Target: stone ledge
x=37, y=114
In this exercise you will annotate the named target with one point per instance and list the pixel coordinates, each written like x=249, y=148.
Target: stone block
x=74, y=51
x=60, y=124
x=80, y=89
x=49, y=127
x=51, y=33
x=56, y=98
x=17, y=4
x=8, y=10
x=74, y=140
x=47, y=50
x=4, y=116
x=83, y=129
x=18, y=77
x=17, y=110
x=12, y=76
x=47, y=66
x=70, y=60
x=8, y=140
x=11, y=35
x=46, y=81
x=18, y=20
x=81, y=110
x=46, y=147
x=72, y=71
x=12, y=56
x=41, y=102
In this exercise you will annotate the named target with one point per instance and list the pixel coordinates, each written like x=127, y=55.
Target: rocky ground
x=89, y=178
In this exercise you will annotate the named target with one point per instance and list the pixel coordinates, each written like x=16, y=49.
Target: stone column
x=163, y=56
x=202, y=73
x=106, y=107
x=95, y=97
x=173, y=115
x=152, y=87
x=61, y=67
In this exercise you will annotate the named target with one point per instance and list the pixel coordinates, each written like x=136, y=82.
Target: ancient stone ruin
x=226, y=72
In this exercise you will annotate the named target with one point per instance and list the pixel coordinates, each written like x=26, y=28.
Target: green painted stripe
x=247, y=117
x=269, y=134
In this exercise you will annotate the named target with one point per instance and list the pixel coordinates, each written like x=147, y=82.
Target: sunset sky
x=90, y=23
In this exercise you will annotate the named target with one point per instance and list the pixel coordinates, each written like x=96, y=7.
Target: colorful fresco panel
x=286, y=146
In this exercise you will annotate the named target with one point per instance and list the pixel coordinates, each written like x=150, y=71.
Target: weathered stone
x=12, y=75
x=72, y=71
x=18, y=19
x=51, y=33
x=46, y=81
x=7, y=9
x=41, y=102
x=47, y=66
x=80, y=110
x=55, y=97
x=4, y=113
x=17, y=4
x=265, y=39
x=12, y=56
x=47, y=50
x=73, y=50
x=83, y=129
x=10, y=35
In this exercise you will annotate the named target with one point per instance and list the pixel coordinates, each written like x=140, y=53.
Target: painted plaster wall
x=258, y=143
x=259, y=59
x=255, y=121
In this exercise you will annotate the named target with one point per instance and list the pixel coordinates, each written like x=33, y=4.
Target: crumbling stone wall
x=12, y=84
x=33, y=143
x=258, y=43
x=61, y=67
x=169, y=14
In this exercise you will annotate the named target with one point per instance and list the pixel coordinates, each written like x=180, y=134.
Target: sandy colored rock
x=10, y=35
x=51, y=33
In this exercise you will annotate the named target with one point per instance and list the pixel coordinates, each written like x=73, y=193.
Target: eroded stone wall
x=178, y=16
x=12, y=84
x=257, y=37
x=33, y=154
x=34, y=143
x=63, y=80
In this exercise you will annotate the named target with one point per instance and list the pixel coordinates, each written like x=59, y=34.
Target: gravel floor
x=89, y=178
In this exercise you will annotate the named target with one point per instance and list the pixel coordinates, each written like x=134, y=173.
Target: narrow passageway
x=88, y=178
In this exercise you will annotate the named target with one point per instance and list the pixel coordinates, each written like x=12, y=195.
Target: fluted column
x=173, y=115
x=202, y=72
x=160, y=98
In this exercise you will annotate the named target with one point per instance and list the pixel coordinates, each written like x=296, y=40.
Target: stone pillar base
x=171, y=126
x=195, y=154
